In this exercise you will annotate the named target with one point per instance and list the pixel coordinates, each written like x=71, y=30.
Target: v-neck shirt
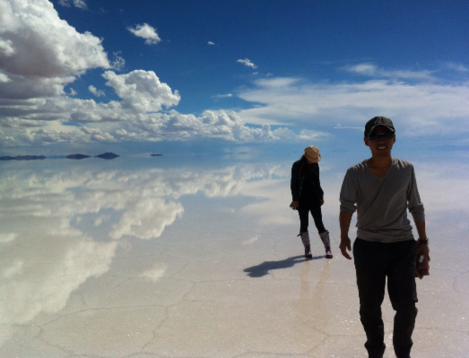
x=382, y=203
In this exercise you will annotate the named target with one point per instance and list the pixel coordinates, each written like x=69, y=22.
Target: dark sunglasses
x=375, y=137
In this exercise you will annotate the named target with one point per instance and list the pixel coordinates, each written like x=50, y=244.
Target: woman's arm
x=294, y=182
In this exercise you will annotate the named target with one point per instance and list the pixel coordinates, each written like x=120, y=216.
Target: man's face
x=381, y=141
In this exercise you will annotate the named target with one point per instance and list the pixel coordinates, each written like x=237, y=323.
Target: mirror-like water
x=144, y=258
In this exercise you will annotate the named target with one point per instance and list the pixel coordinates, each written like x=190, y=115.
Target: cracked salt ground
x=202, y=262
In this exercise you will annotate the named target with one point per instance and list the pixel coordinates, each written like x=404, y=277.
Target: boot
x=305, y=239
x=327, y=244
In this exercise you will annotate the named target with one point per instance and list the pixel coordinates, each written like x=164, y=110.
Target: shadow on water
x=264, y=268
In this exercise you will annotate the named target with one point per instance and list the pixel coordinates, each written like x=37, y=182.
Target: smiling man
x=381, y=189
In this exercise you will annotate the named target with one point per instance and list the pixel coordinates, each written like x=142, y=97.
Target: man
x=381, y=189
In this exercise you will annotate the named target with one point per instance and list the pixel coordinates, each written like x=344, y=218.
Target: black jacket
x=297, y=182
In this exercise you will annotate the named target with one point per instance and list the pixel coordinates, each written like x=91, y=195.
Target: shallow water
x=142, y=257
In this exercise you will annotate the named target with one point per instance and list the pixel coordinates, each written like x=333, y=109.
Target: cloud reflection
x=49, y=246
x=79, y=237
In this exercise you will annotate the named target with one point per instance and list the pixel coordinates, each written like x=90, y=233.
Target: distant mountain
x=24, y=157
x=107, y=155
x=78, y=156
x=156, y=155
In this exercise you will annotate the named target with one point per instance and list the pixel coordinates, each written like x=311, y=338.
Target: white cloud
x=142, y=91
x=119, y=62
x=56, y=252
x=458, y=67
x=101, y=219
x=139, y=218
x=422, y=108
x=246, y=62
x=6, y=47
x=77, y=3
x=309, y=134
x=27, y=87
x=284, y=133
x=95, y=91
x=309, y=107
x=156, y=272
x=371, y=70
x=211, y=43
x=250, y=241
x=177, y=126
x=146, y=32
x=4, y=78
x=223, y=95
x=40, y=55
x=8, y=237
x=42, y=45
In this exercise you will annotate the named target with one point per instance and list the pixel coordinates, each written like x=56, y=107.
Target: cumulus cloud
x=284, y=133
x=214, y=124
x=6, y=47
x=41, y=56
x=110, y=123
x=95, y=91
x=119, y=62
x=4, y=78
x=37, y=43
x=146, y=32
x=246, y=62
x=141, y=90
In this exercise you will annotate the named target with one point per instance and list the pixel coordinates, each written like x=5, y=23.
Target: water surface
x=156, y=257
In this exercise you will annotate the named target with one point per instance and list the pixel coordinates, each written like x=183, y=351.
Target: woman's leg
x=304, y=221
x=303, y=213
x=323, y=233
x=317, y=216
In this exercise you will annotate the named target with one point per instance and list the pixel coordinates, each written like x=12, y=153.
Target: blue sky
x=121, y=74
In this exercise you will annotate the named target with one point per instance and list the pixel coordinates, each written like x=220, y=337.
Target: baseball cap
x=378, y=121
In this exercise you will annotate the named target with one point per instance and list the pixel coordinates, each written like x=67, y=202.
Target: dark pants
x=374, y=261
x=316, y=212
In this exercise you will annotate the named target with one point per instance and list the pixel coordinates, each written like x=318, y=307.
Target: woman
x=308, y=196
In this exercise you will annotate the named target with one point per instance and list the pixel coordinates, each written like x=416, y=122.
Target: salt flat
x=141, y=258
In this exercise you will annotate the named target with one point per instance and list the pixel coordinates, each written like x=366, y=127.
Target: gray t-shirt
x=382, y=203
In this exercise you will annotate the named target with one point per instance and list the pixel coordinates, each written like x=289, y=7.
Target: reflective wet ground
x=140, y=257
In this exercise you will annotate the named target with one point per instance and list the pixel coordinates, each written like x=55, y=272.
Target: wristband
x=423, y=241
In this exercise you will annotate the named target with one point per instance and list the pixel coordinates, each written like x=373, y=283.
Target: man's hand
x=296, y=204
x=425, y=251
x=345, y=218
x=344, y=246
